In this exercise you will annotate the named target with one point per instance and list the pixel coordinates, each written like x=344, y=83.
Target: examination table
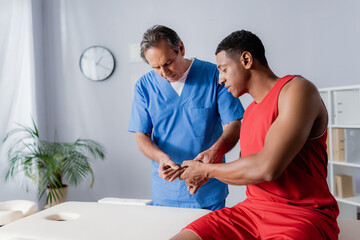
x=95, y=221
x=113, y=218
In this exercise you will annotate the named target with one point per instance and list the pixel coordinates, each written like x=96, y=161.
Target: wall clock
x=97, y=63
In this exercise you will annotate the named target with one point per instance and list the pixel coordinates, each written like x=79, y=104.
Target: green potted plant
x=49, y=163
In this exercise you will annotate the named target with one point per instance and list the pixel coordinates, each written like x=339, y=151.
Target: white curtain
x=17, y=100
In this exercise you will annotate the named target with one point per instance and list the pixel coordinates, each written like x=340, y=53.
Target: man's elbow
x=270, y=174
x=235, y=129
x=269, y=177
x=238, y=125
x=140, y=148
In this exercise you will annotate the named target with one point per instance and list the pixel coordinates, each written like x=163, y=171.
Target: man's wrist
x=219, y=148
x=219, y=152
x=209, y=170
x=162, y=157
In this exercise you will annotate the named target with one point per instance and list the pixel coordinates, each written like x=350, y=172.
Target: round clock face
x=97, y=63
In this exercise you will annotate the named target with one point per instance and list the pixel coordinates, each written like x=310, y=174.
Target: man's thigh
x=245, y=222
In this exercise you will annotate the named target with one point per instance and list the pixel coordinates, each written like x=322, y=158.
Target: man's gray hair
x=153, y=35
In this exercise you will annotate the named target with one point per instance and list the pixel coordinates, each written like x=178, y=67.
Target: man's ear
x=246, y=59
x=182, y=49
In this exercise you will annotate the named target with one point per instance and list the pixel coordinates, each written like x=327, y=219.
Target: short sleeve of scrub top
x=140, y=118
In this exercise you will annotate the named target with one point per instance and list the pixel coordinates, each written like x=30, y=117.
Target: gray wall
x=317, y=39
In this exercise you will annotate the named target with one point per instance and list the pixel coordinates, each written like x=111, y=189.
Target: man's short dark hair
x=238, y=42
x=153, y=35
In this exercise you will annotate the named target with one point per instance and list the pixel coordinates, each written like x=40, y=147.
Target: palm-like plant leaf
x=46, y=163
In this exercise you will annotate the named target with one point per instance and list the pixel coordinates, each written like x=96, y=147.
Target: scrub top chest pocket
x=184, y=122
x=202, y=120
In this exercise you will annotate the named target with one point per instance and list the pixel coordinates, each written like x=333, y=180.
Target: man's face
x=165, y=62
x=231, y=74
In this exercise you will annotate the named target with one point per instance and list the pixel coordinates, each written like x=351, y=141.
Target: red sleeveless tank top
x=303, y=182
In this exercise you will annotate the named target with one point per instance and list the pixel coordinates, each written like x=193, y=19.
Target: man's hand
x=168, y=169
x=194, y=175
x=209, y=156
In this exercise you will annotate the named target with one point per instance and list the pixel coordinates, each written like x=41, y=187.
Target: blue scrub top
x=184, y=126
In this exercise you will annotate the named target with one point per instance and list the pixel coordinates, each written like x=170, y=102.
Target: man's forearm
x=148, y=147
x=229, y=137
x=248, y=170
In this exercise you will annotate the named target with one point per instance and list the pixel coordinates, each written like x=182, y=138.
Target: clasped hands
x=194, y=172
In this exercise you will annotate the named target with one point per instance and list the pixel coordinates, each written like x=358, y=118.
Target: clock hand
x=103, y=66
x=97, y=63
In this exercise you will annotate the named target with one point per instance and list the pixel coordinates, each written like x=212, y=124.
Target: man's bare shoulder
x=299, y=86
x=297, y=94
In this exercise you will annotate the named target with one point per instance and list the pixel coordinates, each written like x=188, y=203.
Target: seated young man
x=283, y=158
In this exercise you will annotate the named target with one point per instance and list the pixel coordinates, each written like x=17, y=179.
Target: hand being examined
x=167, y=168
x=171, y=174
x=194, y=175
x=192, y=171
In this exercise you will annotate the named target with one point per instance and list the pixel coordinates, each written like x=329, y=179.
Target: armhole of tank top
x=327, y=119
x=326, y=125
x=278, y=97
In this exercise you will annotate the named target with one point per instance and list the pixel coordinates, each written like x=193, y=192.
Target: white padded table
x=91, y=220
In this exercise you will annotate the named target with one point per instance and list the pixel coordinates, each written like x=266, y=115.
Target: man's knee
x=185, y=235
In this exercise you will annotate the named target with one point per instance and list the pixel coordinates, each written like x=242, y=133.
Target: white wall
x=317, y=39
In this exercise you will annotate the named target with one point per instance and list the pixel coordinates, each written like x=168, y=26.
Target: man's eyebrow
x=167, y=62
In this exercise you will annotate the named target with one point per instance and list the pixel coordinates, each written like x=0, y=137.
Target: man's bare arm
x=166, y=166
x=225, y=143
x=148, y=147
x=215, y=154
x=299, y=106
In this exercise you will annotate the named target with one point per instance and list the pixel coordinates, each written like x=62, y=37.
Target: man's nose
x=221, y=79
x=164, y=72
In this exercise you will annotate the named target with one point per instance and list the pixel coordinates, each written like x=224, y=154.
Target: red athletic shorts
x=249, y=220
